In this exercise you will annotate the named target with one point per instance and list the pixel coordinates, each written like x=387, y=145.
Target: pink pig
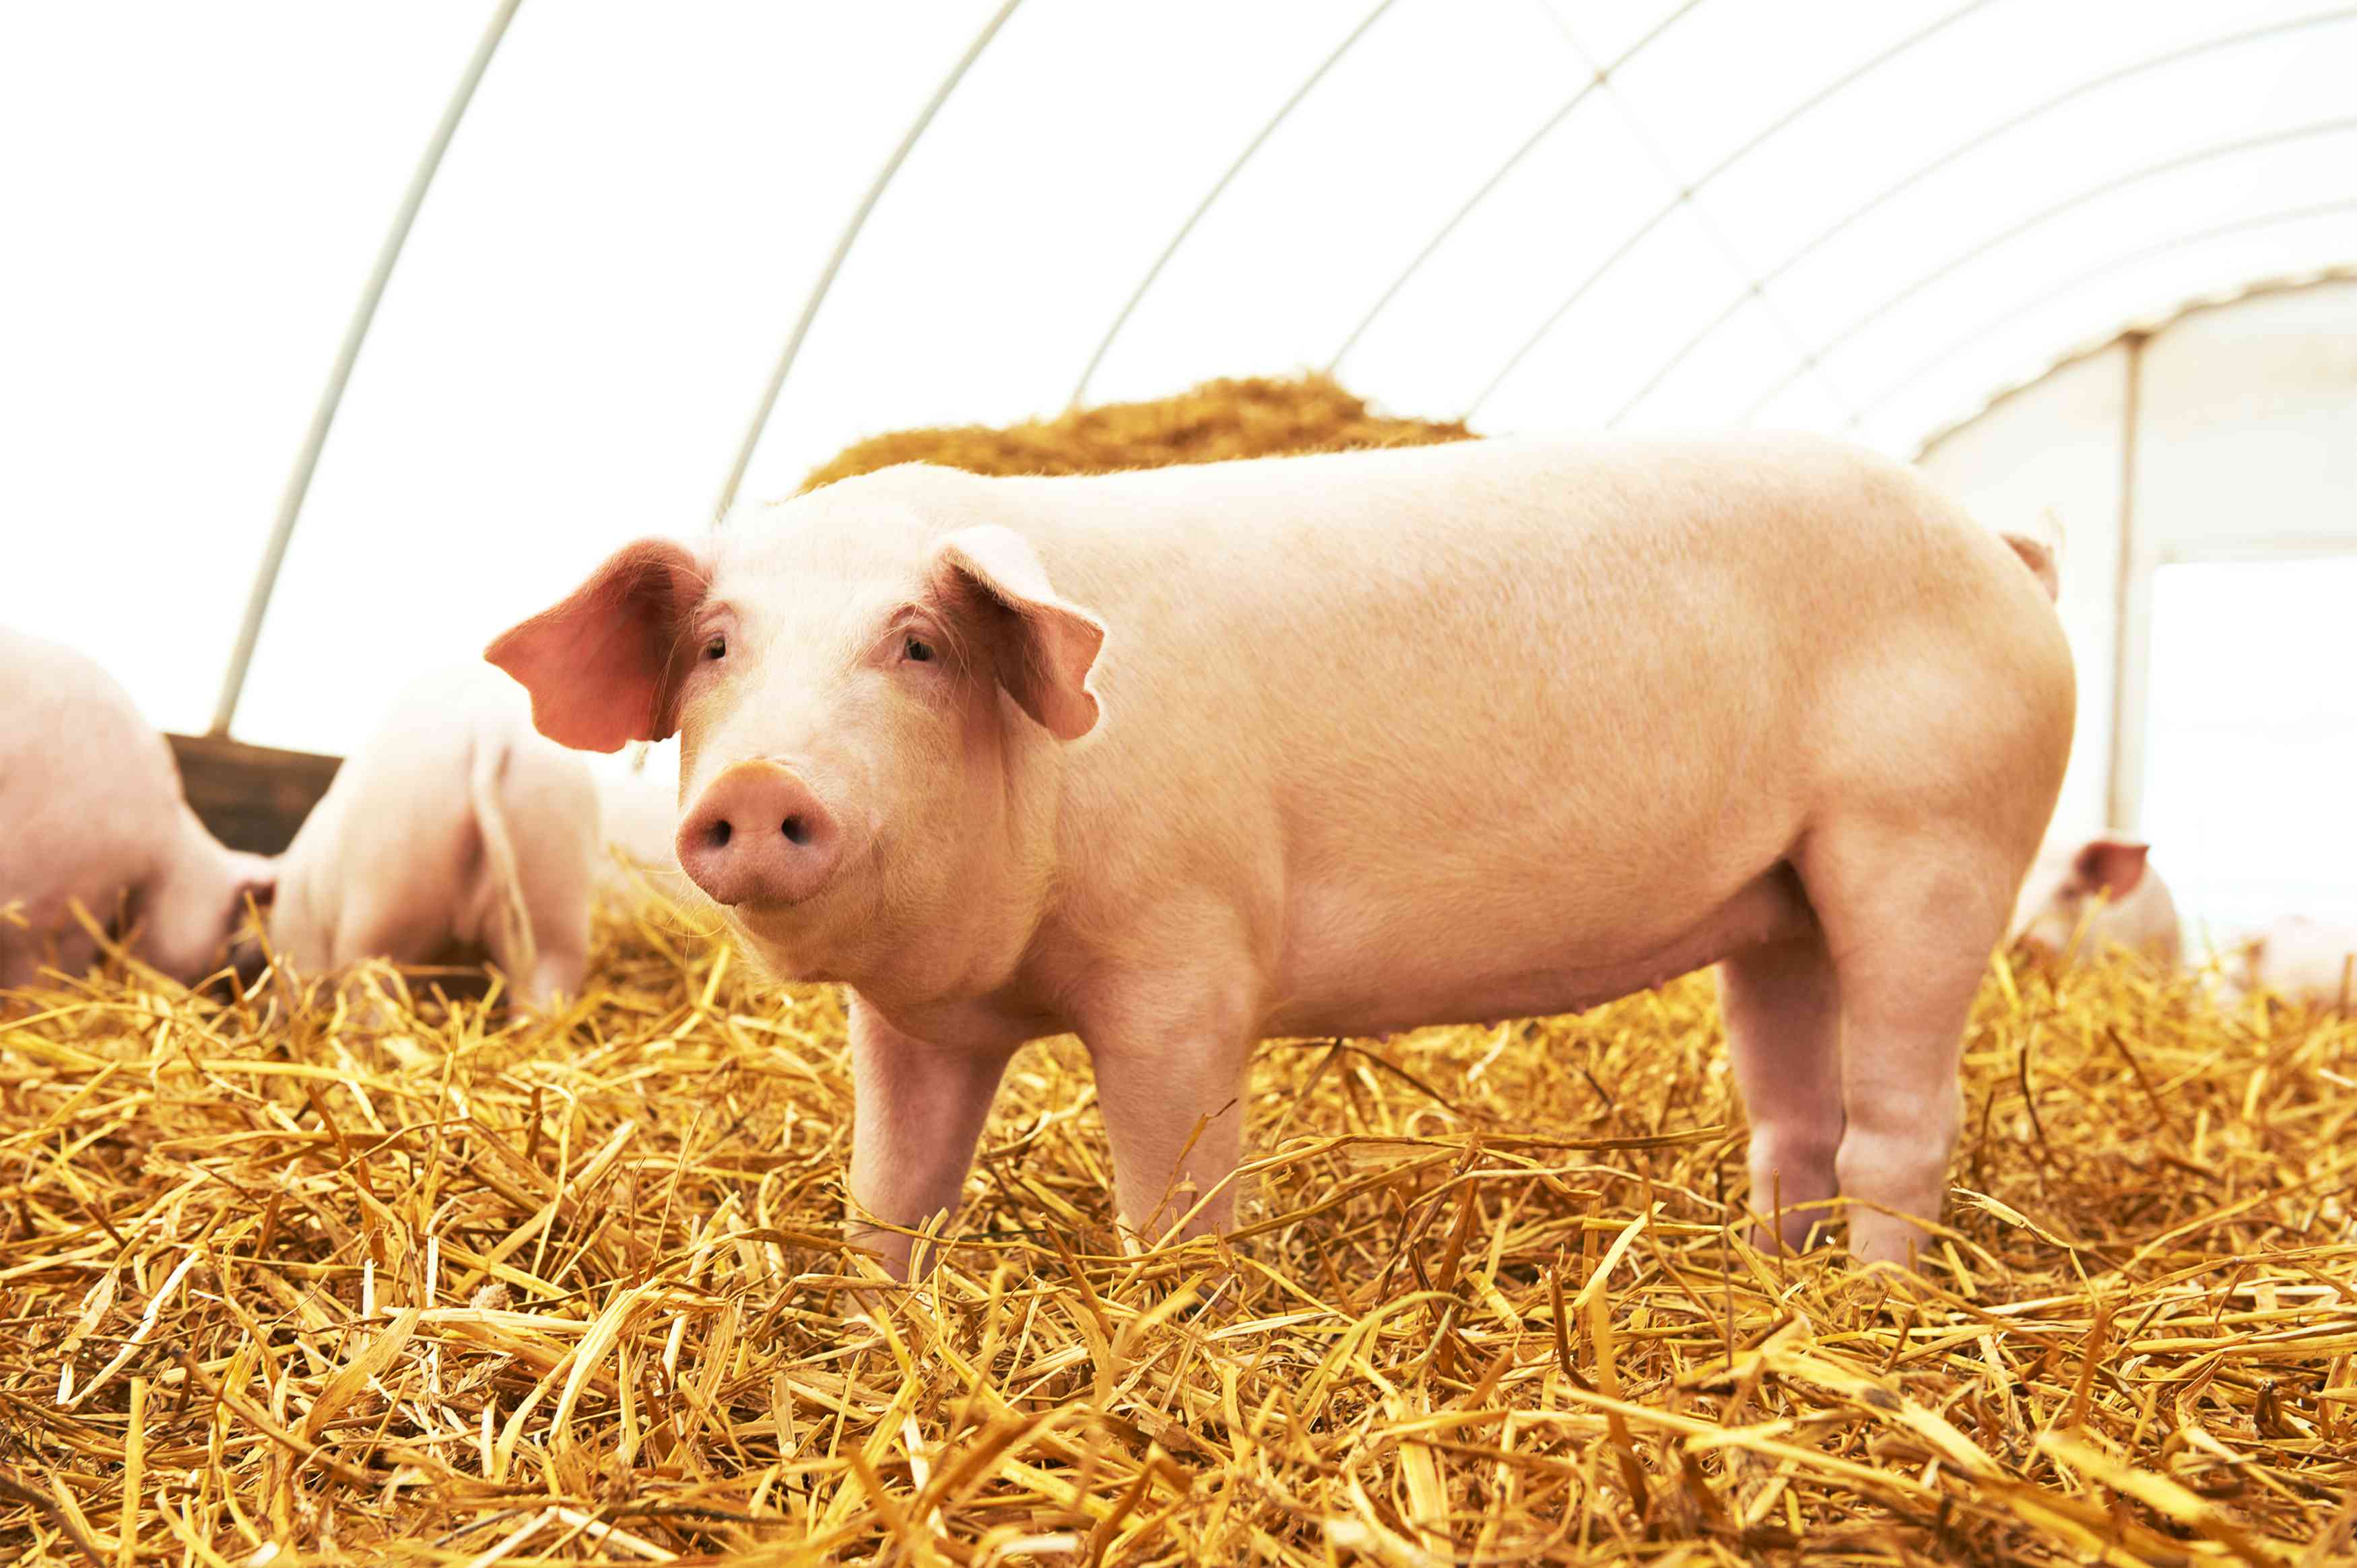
x=1345, y=744
x=454, y=831
x=91, y=808
x=2302, y=960
x=2107, y=884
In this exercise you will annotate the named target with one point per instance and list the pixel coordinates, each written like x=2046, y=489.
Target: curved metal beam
x=1080, y=387
x=1774, y=128
x=331, y=396
x=1704, y=220
x=850, y=235
x=1963, y=149
x=2081, y=279
x=1498, y=175
x=2046, y=214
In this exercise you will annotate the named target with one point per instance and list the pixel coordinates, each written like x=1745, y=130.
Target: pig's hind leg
x=537, y=924
x=378, y=923
x=551, y=957
x=1912, y=912
x=1782, y=1009
x=554, y=964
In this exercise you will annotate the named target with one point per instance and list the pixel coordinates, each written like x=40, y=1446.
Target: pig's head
x=190, y=918
x=866, y=693
x=2064, y=885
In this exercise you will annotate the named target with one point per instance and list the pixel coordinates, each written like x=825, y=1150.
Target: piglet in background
x=2085, y=899
x=91, y=811
x=2300, y=960
x=455, y=832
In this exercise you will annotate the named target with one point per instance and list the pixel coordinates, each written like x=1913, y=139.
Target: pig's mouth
x=803, y=940
x=788, y=952
x=835, y=892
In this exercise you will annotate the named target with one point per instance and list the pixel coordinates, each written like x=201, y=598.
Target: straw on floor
x=384, y=1279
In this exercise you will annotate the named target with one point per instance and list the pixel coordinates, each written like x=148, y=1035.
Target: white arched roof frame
x=1808, y=353
x=339, y=375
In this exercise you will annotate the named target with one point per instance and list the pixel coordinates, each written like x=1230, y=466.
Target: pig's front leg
x=918, y=1112
x=1172, y=1091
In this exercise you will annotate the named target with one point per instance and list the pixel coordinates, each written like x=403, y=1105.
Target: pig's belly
x=1349, y=979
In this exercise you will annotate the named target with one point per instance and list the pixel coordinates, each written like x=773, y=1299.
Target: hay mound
x=1210, y=424
x=435, y=1285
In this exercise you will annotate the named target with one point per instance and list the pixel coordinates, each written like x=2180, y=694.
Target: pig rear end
x=94, y=816
x=1938, y=752
x=452, y=832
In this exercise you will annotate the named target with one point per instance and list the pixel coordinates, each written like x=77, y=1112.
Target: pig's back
x=1295, y=615
x=1630, y=671
x=395, y=841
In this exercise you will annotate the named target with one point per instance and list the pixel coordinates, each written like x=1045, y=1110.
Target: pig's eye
x=718, y=648
x=918, y=649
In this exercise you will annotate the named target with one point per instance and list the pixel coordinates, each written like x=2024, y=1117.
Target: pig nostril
x=719, y=833
x=796, y=830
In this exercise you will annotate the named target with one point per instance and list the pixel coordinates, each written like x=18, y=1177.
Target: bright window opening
x=2251, y=741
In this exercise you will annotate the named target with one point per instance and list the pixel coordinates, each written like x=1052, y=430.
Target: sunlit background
x=1862, y=216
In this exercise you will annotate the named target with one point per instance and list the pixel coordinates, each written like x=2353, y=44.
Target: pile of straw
x=383, y=1278
x=1211, y=424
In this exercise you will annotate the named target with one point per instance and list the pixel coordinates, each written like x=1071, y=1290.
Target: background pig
x=2107, y=884
x=1345, y=744
x=454, y=831
x=91, y=808
x=2302, y=960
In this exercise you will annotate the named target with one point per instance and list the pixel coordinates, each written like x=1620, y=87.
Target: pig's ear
x=1041, y=644
x=2113, y=865
x=602, y=666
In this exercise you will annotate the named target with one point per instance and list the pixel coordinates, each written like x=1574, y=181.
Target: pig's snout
x=760, y=835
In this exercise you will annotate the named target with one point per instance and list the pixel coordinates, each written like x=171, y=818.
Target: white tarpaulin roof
x=1858, y=215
